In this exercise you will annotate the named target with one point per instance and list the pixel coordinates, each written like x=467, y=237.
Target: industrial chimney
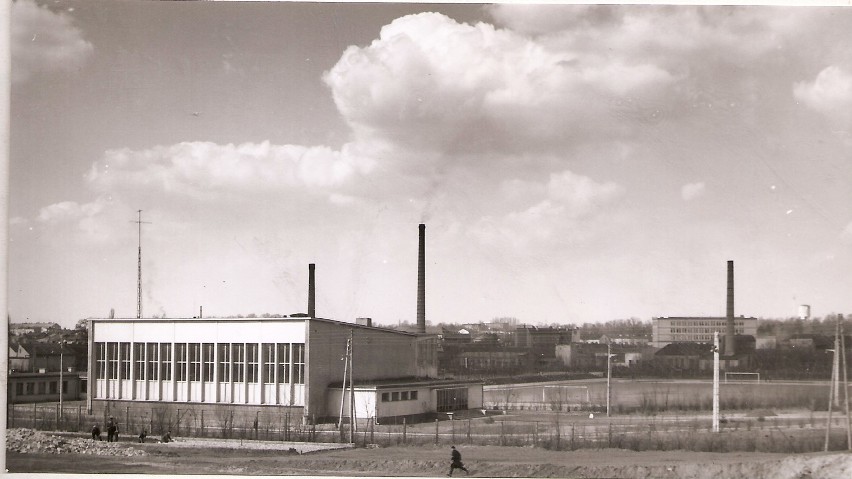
x=729, y=326
x=312, y=310
x=421, y=281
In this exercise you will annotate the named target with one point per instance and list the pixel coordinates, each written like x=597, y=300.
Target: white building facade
x=257, y=362
x=667, y=330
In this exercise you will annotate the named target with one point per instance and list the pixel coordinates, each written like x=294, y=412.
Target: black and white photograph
x=411, y=239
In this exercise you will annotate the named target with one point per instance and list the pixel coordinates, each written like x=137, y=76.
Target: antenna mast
x=139, y=267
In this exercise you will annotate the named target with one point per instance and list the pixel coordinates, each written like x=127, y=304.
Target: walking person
x=456, y=461
x=96, y=433
x=112, y=430
x=142, y=436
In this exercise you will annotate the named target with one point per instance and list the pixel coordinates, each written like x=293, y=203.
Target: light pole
x=61, y=367
x=608, y=375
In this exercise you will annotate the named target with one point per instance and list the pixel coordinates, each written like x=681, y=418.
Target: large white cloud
x=206, y=170
x=830, y=93
x=429, y=82
x=43, y=41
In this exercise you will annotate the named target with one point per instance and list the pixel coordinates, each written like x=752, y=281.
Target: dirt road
x=483, y=461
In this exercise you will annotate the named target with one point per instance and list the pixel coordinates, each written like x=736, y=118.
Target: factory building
x=680, y=329
x=294, y=364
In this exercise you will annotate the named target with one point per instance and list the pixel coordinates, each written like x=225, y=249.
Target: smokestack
x=421, y=281
x=312, y=311
x=729, y=329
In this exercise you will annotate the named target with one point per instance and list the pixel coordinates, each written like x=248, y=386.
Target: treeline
x=789, y=327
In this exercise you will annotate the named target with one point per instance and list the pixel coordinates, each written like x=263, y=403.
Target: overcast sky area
x=572, y=164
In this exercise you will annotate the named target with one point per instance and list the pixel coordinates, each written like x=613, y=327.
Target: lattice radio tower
x=139, y=267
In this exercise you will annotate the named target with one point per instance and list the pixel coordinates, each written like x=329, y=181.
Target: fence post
x=436, y=431
x=35, y=415
x=127, y=419
x=502, y=433
x=572, y=437
x=11, y=415
x=453, y=427
x=404, y=430
x=79, y=418
x=372, y=422
x=609, y=436
x=202, y=423
x=468, y=430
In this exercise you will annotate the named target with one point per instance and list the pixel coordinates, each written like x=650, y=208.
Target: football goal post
x=741, y=377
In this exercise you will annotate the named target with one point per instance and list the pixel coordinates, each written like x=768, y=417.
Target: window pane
x=251, y=353
x=239, y=360
x=180, y=361
x=124, y=356
x=207, y=353
x=166, y=361
x=283, y=363
x=224, y=363
x=195, y=362
x=152, y=361
x=299, y=363
x=100, y=361
x=112, y=360
x=139, y=361
x=268, y=363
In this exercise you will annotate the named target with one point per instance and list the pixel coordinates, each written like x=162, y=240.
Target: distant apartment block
x=668, y=330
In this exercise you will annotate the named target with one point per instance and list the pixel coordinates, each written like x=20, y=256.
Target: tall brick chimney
x=729, y=314
x=421, y=281
x=312, y=306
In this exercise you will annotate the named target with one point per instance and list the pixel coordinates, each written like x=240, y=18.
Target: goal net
x=742, y=377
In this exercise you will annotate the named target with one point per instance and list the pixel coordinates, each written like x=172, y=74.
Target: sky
x=571, y=163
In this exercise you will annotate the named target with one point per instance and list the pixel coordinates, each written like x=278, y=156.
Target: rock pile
x=37, y=442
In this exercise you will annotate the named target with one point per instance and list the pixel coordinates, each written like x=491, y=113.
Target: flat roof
x=276, y=319
x=406, y=382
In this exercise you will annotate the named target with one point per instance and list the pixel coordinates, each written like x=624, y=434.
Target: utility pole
x=61, y=367
x=139, y=267
x=845, y=386
x=716, y=381
x=345, y=359
x=608, y=375
x=833, y=393
x=351, y=389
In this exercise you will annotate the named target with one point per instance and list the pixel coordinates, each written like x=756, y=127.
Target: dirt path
x=483, y=461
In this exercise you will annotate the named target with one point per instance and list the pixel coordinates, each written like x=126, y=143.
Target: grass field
x=652, y=396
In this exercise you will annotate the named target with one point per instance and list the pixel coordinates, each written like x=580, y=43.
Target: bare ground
x=432, y=461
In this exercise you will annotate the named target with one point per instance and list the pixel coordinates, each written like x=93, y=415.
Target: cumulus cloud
x=44, y=41
x=429, y=82
x=95, y=222
x=205, y=170
x=830, y=93
x=569, y=199
x=690, y=191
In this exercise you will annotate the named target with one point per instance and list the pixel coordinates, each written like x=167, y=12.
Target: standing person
x=456, y=462
x=111, y=430
x=96, y=433
x=142, y=436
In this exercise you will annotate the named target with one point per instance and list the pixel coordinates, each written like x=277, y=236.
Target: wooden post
x=35, y=412
x=468, y=430
x=845, y=386
x=833, y=387
x=79, y=418
x=453, y=427
x=404, y=430
x=372, y=422
x=57, y=418
x=502, y=433
x=202, y=423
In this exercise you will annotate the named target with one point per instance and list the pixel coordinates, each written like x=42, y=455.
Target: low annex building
x=293, y=364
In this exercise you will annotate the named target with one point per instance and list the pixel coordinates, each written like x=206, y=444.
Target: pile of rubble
x=37, y=442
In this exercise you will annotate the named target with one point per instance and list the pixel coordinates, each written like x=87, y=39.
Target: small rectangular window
x=195, y=361
x=395, y=396
x=207, y=354
x=42, y=387
x=413, y=395
x=139, y=361
x=151, y=362
x=299, y=363
x=100, y=361
x=268, y=363
x=224, y=363
x=30, y=388
x=403, y=396
x=385, y=397
x=283, y=363
x=124, y=356
x=166, y=361
x=53, y=387
x=112, y=360
x=19, y=389
x=252, y=361
x=238, y=352
x=180, y=361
